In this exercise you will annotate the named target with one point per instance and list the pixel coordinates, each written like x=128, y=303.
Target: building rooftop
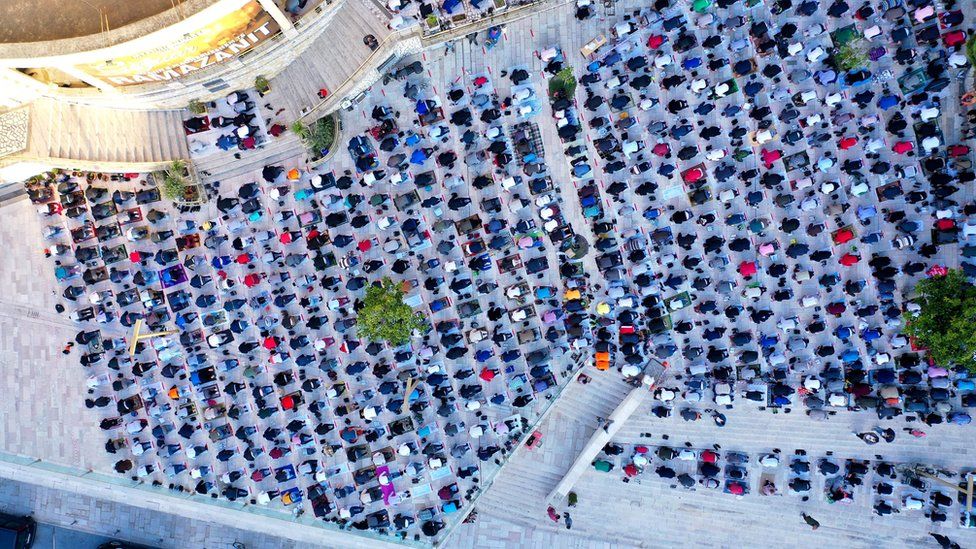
x=42, y=20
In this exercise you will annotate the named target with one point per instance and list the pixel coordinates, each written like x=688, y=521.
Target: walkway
x=159, y=521
x=42, y=413
x=330, y=60
x=600, y=438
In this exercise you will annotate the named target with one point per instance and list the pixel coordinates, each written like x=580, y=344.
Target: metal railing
x=489, y=479
x=427, y=41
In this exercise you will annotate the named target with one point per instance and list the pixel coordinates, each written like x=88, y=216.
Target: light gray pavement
x=108, y=505
x=610, y=513
x=332, y=58
x=43, y=413
x=651, y=514
x=609, y=427
x=53, y=537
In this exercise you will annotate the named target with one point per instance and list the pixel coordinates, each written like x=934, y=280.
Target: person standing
x=814, y=523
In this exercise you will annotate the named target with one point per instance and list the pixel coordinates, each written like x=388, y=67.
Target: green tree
x=851, y=55
x=944, y=323
x=385, y=317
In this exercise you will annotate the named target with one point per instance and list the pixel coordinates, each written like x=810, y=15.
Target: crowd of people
x=728, y=203
x=892, y=488
x=256, y=388
x=233, y=122
x=762, y=211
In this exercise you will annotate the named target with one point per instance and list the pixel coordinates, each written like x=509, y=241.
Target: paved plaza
x=751, y=228
x=45, y=416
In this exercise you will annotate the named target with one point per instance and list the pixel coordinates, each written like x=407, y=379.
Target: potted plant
x=432, y=22
x=262, y=85
x=196, y=107
x=178, y=183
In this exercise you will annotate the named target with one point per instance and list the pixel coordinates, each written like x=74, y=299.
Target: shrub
x=563, y=83
x=261, y=84
x=300, y=129
x=971, y=51
x=173, y=180
x=319, y=136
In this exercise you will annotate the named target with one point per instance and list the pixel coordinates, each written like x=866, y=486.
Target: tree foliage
x=851, y=55
x=563, y=82
x=971, y=51
x=320, y=135
x=385, y=317
x=173, y=180
x=945, y=323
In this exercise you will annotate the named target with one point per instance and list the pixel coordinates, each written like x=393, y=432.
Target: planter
x=197, y=108
x=193, y=192
x=315, y=157
x=261, y=85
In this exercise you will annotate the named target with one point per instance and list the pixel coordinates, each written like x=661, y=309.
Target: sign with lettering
x=215, y=42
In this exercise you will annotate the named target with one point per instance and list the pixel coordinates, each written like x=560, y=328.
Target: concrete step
x=98, y=134
x=222, y=166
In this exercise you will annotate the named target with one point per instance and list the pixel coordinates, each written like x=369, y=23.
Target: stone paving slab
x=322, y=65
x=43, y=413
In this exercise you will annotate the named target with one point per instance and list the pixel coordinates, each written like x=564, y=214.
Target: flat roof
x=43, y=20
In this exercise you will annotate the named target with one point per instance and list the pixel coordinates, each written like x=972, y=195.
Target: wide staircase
x=223, y=166
x=523, y=485
x=88, y=137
